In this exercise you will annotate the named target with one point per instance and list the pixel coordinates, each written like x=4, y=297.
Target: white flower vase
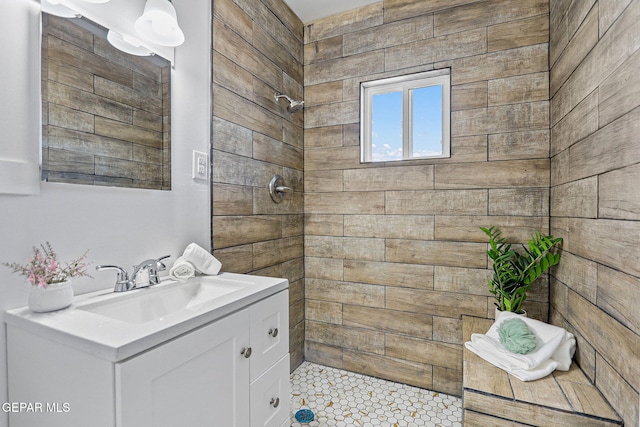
x=55, y=296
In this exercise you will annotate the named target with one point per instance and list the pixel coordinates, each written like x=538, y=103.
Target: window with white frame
x=406, y=117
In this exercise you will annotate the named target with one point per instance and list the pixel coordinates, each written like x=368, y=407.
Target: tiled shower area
x=384, y=259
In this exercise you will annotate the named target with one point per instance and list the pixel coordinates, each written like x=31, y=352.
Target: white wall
x=118, y=226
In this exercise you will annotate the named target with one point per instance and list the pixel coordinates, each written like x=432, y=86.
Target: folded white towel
x=182, y=269
x=554, y=350
x=202, y=260
x=490, y=355
x=549, y=338
x=535, y=374
x=564, y=354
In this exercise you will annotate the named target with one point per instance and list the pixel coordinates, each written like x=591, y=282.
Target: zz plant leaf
x=514, y=272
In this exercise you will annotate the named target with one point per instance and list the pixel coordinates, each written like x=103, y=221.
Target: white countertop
x=116, y=340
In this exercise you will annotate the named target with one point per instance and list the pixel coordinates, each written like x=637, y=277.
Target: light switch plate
x=200, y=168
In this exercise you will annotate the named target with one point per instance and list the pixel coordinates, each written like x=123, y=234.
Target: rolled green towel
x=516, y=336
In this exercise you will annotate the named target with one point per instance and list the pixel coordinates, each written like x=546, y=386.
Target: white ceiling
x=310, y=10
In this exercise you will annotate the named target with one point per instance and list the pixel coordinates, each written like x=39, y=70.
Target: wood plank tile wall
x=105, y=113
x=257, y=51
x=393, y=253
x=595, y=197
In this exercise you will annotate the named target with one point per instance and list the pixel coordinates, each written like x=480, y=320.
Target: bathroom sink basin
x=117, y=325
x=155, y=303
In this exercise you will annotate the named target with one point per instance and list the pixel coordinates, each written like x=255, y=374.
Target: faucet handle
x=160, y=265
x=121, y=273
x=122, y=277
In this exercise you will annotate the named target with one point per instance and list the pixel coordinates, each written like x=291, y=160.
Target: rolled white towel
x=202, y=260
x=182, y=269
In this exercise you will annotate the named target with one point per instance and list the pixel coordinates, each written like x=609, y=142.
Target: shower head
x=294, y=106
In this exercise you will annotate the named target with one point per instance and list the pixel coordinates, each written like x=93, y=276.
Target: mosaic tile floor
x=340, y=398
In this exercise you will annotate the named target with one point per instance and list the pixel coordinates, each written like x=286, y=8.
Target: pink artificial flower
x=43, y=268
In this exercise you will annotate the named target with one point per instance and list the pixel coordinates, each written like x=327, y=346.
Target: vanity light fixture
x=127, y=44
x=60, y=8
x=53, y=7
x=159, y=24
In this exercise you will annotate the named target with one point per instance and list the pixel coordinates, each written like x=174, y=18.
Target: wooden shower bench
x=492, y=397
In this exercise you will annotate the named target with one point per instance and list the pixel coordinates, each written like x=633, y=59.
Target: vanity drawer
x=269, y=332
x=270, y=396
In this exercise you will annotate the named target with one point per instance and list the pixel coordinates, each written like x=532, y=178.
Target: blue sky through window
x=427, y=121
x=386, y=124
x=386, y=127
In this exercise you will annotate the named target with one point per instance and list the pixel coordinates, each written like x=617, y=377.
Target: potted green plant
x=515, y=272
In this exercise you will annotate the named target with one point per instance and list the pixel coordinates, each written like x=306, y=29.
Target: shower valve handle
x=277, y=189
x=283, y=189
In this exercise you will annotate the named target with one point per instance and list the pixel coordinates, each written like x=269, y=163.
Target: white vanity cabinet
x=200, y=376
x=206, y=378
x=231, y=372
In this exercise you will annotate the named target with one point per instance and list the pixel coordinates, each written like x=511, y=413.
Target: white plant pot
x=497, y=313
x=55, y=296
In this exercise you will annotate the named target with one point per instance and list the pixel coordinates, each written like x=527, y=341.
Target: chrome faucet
x=123, y=283
x=153, y=266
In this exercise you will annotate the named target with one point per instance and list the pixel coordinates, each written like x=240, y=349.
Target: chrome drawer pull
x=246, y=352
x=273, y=332
x=275, y=402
